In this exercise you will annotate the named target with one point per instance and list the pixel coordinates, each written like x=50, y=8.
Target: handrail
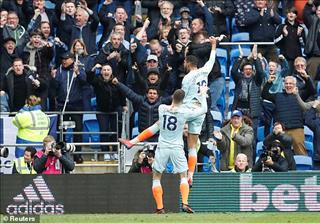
x=245, y=43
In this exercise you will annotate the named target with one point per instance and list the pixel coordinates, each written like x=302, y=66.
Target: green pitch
x=301, y=217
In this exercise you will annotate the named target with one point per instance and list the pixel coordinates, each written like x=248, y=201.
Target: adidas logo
x=35, y=199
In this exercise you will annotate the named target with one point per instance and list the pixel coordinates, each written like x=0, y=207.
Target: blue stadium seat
x=94, y=103
x=234, y=27
x=260, y=133
x=303, y=162
x=240, y=37
x=318, y=89
x=222, y=56
x=90, y=124
x=309, y=148
x=135, y=119
x=135, y=132
x=232, y=88
x=217, y=118
x=308, y=134
x=230, y=102
x=259, y=149
x=69, y=137
x=224, y=71
x=234, y=54
x=221, y=103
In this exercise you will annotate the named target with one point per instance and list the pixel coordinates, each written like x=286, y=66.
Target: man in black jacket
x=147, y=105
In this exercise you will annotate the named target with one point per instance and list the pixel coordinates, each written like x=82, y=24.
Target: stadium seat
x=318, y=89
x=240, y=37
x=135, y=119
x=309, y=148
x=260, y=133
x=303, y=162
x=232, y=88
x=135, y=132
x=224, y=71
x=234, y=27
x=308, y=134
x=90, y=124
x=94, y=103
x=217, y=118
x=222, y=56
x=230, y=103
x=234, y=54
x=259, y=149
x=221, y=103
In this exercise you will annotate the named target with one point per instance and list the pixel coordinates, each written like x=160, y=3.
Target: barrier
x=70, y=194
x=131, y=193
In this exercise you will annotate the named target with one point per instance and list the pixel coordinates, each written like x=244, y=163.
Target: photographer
x=271, y=159
x=142, y=161
x=54, y=158
x=278, y=133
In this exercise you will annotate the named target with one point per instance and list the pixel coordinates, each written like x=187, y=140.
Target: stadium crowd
x=117, y=49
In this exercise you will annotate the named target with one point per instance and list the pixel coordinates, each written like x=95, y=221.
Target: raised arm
x=209, y=64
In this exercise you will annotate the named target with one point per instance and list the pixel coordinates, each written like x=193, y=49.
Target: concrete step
x=96, y=167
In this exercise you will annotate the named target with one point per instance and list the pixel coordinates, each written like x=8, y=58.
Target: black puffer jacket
x=109, y=98
x=148, y=112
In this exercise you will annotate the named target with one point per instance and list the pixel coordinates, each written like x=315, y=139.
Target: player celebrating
x=195, y=78
x=191, y=84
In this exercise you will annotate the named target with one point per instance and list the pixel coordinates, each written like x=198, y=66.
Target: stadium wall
x=131, y=193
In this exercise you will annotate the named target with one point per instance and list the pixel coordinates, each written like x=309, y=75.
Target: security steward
x=32, y=123
x=24, y=165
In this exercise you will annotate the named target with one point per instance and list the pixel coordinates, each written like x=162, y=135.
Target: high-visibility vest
x=22, y=167
x=32, y=125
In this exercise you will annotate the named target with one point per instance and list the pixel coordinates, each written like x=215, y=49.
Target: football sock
x=192, y=159
x=146, y=134
x=157, y=193
x=184, y=190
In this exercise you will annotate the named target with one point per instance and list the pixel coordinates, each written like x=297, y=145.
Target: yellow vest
x=32, y=125
x=22, y=167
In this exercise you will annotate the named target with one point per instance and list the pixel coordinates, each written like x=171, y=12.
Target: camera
x=149, y=152
x=272, y=151
x=4, y=152
x=64, y=147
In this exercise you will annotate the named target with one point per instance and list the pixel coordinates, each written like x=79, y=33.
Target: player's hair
x=193, y=60
x=178, y=96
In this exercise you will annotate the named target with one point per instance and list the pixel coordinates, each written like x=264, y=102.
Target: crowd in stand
x=113, y=50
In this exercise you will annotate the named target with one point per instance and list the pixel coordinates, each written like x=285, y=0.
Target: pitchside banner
x=256, y=192
x=131, y=193
x=97, y=193
x=8, y=133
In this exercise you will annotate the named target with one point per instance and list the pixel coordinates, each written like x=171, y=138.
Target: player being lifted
x=172, y=119
x=195, y=78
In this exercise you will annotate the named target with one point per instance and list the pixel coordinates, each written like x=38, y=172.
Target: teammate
x=171, y=124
